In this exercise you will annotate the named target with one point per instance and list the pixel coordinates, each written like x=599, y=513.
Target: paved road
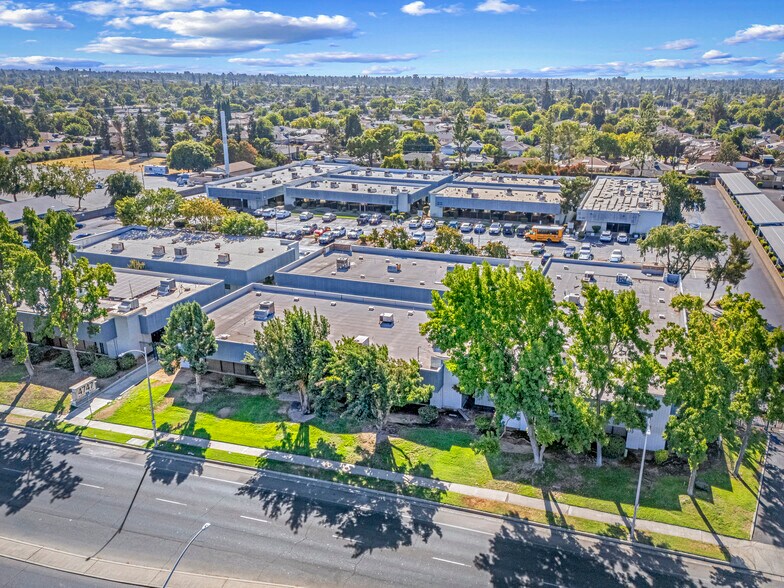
x=125, y=505
x=770, y=517
x=14, y=574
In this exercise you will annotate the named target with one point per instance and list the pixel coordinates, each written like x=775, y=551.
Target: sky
x=484, y=38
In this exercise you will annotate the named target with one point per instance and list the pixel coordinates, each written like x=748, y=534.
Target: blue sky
x=494, y=38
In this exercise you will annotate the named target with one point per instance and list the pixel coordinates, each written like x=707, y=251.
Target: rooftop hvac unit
x=261, y=249
x=470, y=190
x=158, y=250
x=317, y=169
x=393, y=189
x=394, y=268
x=333, y=184
x=118, y=246
x=167, y=286
x=354, y=172
x=294, y=175
x=354, y=187
x=409, y=174
x=372, y=189
x=266, y=175
x=266, y=310
x=276, y=180
x=180, y=252
x=342, y=263
x=540, y=195
x=573, y=298
x=128, y=305
x=362, y=340
x=426, y=176
x=386, y=319
x=314, y=184
x=508, y=191
x=224, y=257
x=387, y=174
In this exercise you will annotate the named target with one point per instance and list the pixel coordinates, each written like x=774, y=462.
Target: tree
x=679, y=196
x=501, y=329
x=567, y=136
x=395, y=161
x=189, y=336
x=572, y=192
x=732, y=269
x=547, y=137
x=609, y=349
x=285, y=352
x=353, y=127
x=756, y=357
x=15, y=175
x=698, y=381
x=50, y=180
x=122, y=184
x=151, y=208
x=242, y=223
x=461, y=137
x=449, y=240
x=728, y=152
x=15, y=128
x=398, y=238
x=142, y=134
x=682, y=247
x=69, y=293
x=79, y=182
x=190, y=155
x=129, y=135
x=496, y=249
x=202, y=212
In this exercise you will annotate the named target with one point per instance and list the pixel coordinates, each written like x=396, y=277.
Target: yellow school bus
x=554, y=234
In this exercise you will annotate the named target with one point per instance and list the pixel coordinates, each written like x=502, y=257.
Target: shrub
x=228, y=381
x=136, y=264
x=615, y=447
x=487, y=444
x=428, y=414
x=484, y=423
x=104, y=367
x=126, y=361
x=64, y=361
x=87, y=359
x=38, y=353
x=660, y=456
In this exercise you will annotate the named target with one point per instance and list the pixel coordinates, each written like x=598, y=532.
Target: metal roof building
x=760, y=210
x=630, y=205
x=774, y=235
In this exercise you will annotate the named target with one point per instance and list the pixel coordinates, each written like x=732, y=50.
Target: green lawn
x=255, y=421
x=16, y=391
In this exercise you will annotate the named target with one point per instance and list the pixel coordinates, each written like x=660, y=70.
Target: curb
x=420, y=501
x=761, y=480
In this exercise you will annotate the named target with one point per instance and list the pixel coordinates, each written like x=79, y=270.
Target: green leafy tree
x=285, y=351
x=730, y=269
x=547, y=137
x=728, y=152
x=190, y=155
x=79, y=182
x=496, y=249
x=203, y=213
x=242, y=223
x=15, y=175
x=395, y=161
x=397, y=238
x=70, y=292
x=461, y=137
x=189, y=336
x=572, y=192
x=151, y=208
x=698, y=381
x=683, y=247
x=756, y=357
x=51, y=179
x=353, y=126
x=449, y=240
x=501, y=328
x=567, y=137
x=679, y=196
x=122, y=184
x=609, y=349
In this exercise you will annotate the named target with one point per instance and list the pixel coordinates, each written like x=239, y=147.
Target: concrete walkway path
x=754, y=555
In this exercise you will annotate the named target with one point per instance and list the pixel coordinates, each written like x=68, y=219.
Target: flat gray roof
x=775, y=237
x=143, y=286
x=234, y=320
x=760, y=210
x=358, y=186
x=270, y=178
x=624, y=194
x=497, y=193
x=738, y=184
x=413, y=175
x=202, y=248
x=41, y=205
x=512, y=179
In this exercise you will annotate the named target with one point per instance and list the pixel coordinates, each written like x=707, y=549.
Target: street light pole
x=176, y=563
x=639, y=479
x=149, y=391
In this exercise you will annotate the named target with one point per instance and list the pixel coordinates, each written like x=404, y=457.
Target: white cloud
x=501, y=7
x=385, y=70
x=757, y=32
x=41, y=61
x=305, y=59
x=29, y=19
x=202, y=46
x=678, y=45
x=714, y=54
x=780, y=58
x=419, y=8
x=103, y=8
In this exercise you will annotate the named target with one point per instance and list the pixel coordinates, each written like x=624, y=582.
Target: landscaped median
x=246, y=417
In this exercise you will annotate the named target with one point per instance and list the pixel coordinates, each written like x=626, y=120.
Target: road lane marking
x=457, y=563
x=13, y=470
x=141, y=465
x=253, y=519
x=463, y=528
x=222, y=480
x=171, y=501
x=349, y=539
x=91, y=485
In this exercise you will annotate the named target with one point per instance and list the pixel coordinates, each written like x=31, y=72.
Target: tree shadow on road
x=31, y=468
x=166, y=467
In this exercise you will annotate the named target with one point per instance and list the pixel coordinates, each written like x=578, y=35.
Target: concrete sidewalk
x=753, y=555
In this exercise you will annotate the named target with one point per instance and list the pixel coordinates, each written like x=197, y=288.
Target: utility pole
x=224, y=134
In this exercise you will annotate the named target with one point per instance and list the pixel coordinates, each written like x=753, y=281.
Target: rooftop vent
x=409, y=174
x=386, y=319
x=394, y=268
x=393, y=189
x=261, y=249
x=333, y=184
x=158, y=250
x=426, y=176
x=372, y=189
x=224, y=258
x=266, y=310
x=180, y=252
x=167, y=286
x=387, y=174
x=118, y=246
x=128, y=305
x=368, y=172
x=294, y=175
x=354, y=187
x=362, y=340
x=315, y=184
x=342, y=263
x=276, y=180
x=509, y=192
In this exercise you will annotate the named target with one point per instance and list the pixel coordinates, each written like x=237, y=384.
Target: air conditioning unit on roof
x=118, y=246
x=224, y=257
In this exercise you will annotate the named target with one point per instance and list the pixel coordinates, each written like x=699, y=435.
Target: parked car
x=495, y=229
x=537, y=249
x=339, y=232
x=375, y=219
x=305, y=216
x=328, y=217
x=419, y=237
x=363, y=218
x=355, y=233
x=294, y=235
x=616, y=256
x=521, y=230
x=606, y=237
x=428, y=224
x=466, y=228
x=453, y=224
x=546, y=257
x=268, y=213
x=414, y=223
x=281, y=214
x=509, y=229
x=309, y=228
x=258, y=212
x=326, y=238
x=622, y=238
x=585, y=253
x=321, y=230
x=480, y=229
x=569, y=251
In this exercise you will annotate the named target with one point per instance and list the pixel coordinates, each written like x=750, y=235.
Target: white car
x=305, y=216
x=466, y=228
x=268, y=213
x=585, y=253
x=355, y=233
x=616, y=256
x=606, y=237
x=495, y=229
x=622, y=238
x=328, y=217
x=414, y=223
x=281, y=214
x=428, y=224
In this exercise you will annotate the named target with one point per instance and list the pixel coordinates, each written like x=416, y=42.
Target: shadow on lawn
x=366, y=522
x=167, y=469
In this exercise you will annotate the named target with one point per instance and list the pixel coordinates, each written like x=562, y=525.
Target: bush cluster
x=126, y=361
x=615, y=448
x=427, y=414
x=104, y=367
x=484, y=423
x=659, y=457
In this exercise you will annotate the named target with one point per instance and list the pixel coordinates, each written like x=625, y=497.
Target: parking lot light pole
x=182, y=553
x=149, y=391
x=639, y=479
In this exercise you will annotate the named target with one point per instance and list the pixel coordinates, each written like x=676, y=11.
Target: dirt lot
x=112, y=162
